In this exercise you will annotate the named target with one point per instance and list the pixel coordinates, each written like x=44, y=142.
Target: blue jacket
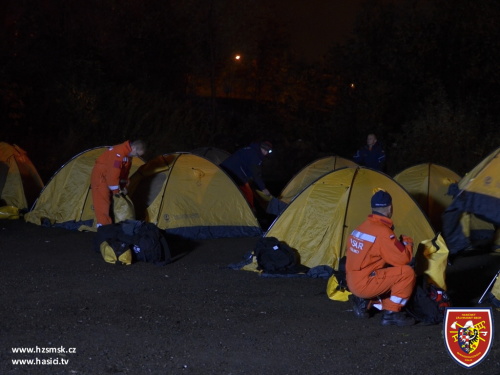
x=246, y=165
x=374, y=158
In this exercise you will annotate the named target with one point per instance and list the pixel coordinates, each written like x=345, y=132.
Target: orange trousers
x=392, y=285
x=101, y=197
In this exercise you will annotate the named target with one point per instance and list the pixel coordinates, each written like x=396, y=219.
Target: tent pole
x=347, y=205
x=489, y=287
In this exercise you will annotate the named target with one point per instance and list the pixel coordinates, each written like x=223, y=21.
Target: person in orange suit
x=110, y=176
x=377, y=265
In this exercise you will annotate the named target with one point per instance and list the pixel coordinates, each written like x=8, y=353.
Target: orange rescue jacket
x=115, y=164
x=372, y=246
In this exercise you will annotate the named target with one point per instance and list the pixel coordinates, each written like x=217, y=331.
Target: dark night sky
x=315, y=25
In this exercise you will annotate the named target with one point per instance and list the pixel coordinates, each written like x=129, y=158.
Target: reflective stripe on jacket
x=115, y=165
x=372, y=246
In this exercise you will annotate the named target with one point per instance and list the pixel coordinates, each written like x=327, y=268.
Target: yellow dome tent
x=478, y=194
x=20, y=183
x=319, y=220
x=190, y=196
x=67, y=198
x=428, y=184
x=312, y=172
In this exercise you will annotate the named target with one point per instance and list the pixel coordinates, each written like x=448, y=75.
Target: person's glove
x=121, y=192
x=406, y=240
x=266, y=192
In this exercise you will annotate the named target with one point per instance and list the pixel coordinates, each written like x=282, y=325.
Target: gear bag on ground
x=146, y=240
x=428, y=302
x=274, y=256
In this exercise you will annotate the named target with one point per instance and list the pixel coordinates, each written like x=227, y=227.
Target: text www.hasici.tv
x=42, y=355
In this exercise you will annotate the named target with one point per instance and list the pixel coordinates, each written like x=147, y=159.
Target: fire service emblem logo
x=468, y=334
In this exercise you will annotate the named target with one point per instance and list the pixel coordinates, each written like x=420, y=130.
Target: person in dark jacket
x=372, y=155
x=245, y=167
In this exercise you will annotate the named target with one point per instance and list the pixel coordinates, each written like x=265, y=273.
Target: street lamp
x=230, y=89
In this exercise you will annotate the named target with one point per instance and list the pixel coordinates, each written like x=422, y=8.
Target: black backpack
x=146, y=240
x=274, y=256
x=428, y=303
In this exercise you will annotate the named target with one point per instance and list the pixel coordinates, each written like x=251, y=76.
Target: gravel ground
x=196, y=316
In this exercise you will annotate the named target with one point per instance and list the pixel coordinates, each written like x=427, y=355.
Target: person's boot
x=396, y=318
x=359, y=306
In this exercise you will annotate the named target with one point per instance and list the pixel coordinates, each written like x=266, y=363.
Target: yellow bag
x=117, y=254
x=432, y=260
x=123, y=208
x=9, y=212
x=335, y=291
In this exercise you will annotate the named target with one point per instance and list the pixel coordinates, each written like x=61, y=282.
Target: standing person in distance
x=371, y=155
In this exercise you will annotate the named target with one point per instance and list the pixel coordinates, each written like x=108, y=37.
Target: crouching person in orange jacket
x=377, y=265
x=110, y=176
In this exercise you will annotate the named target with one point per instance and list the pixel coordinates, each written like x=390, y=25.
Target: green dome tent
x=190, y=196
x=214, y=154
